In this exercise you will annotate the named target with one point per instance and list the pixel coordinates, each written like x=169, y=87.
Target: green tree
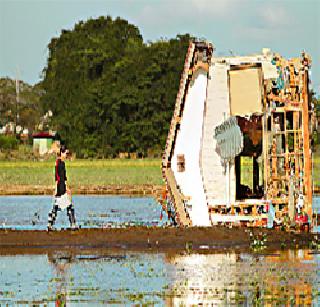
x=109, y=91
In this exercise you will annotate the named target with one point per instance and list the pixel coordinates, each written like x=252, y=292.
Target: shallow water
x=287, y=277
x=31, y=212
x=316, y=203
x=290, y=277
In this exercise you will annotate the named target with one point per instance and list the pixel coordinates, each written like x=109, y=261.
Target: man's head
x=63, y=152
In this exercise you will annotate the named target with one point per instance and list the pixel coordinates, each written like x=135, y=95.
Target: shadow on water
x=285, y=277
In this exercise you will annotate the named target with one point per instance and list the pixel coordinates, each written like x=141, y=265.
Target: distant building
x=44, y=143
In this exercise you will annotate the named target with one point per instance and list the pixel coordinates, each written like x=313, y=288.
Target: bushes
x=8, y=142
x=11, y=149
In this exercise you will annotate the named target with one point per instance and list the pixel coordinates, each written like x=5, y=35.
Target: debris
x=264, y=175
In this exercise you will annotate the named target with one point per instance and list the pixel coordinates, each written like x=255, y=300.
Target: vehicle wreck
x=239, y=146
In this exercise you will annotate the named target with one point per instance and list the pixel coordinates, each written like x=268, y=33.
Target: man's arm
x=56, y=178
x=55, y=189
x=66, y=179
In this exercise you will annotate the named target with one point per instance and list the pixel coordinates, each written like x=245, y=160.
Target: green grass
x=83, y=172
x=99, y=172
x=246, y=173
x=246, y=165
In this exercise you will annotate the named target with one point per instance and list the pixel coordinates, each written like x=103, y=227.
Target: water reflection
x=61, y=263
x=286, y=277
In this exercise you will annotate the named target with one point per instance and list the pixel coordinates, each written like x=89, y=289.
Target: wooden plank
x=179, y=101
x=183, y=218
x=201, y=65
x=265, y=139
x=296, y=141
x=283, y=100
x=306, y=146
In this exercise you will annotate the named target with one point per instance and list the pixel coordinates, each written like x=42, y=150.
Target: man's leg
x=70, y=213
x=52, y=216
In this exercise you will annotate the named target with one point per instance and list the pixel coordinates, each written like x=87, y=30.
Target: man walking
x=62, y=193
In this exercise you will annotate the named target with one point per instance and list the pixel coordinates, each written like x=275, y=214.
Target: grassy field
x=93, y=172
x=83, y=172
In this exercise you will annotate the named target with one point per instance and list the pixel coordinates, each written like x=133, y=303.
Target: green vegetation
x=29, y=107
x=316, y=133
x=93, y=172
x=8, y=142
x=83, y=172
x=109, y=91
x=246, y=165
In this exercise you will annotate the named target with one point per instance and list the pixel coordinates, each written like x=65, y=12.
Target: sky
x=237, y=26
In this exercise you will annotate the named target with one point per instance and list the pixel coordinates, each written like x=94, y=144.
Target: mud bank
x=121, y=189
x=145, y=189
x=149, y=238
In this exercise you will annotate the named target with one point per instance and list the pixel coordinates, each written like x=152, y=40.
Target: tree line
x=109, y=91
x=27, y=111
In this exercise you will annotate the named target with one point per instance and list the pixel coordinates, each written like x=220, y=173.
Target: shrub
x=8, y=142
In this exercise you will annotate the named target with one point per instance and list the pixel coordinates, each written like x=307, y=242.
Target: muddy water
x=31, y=212
x=286, y=277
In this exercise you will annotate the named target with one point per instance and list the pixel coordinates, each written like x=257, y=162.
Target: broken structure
x=238, y=148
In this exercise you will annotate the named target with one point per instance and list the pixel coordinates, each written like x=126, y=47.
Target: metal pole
x=17, y=104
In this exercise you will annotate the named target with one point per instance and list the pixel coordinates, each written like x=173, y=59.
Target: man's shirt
x=61, y=177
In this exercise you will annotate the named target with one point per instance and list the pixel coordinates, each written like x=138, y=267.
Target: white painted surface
x=204, y=178
x=215, y=218
x=217, y=110
x=269, y=70
x=188, y=142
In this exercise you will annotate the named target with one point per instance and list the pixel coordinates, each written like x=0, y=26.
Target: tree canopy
x=108, y=90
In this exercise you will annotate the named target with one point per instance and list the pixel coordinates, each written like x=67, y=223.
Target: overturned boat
x=239, y=146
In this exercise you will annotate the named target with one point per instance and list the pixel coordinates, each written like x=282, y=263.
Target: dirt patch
x=150, y=238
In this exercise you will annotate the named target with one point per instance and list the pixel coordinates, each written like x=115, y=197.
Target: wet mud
x=150, y=238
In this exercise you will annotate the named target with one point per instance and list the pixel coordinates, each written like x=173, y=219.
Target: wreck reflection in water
x=286, y=277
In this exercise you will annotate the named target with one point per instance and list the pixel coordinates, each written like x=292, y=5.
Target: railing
x=179, y=100
x=182, y=217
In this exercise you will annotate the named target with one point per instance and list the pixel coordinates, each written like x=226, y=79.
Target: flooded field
x=94, y=277
x=286, y=278
x=31, y=212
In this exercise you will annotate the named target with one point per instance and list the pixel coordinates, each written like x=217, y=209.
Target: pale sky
x=243, y=26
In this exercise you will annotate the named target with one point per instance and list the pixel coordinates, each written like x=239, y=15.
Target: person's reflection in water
x=257, y=293
x=61, y=263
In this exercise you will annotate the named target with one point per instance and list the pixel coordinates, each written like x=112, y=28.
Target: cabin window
x=181, y=164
